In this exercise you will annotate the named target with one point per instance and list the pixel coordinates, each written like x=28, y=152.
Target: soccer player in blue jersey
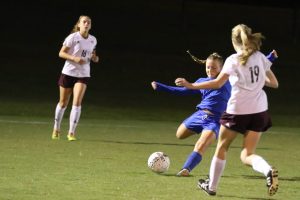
x=205, y=120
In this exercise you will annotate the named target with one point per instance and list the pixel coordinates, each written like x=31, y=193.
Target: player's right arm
x=174, y=90
x=63, y=53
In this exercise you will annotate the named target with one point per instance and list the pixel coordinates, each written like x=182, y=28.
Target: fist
x=181, y=82
x=154, y=85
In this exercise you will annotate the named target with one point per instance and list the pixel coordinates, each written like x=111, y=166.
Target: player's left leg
x=78, y=94
x=248, y=157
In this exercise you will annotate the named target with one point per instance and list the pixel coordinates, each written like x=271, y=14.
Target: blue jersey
x=214, y=100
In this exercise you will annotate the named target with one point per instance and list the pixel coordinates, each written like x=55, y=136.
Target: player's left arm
x=94, y=57
x=271, y=80
x=272, y=56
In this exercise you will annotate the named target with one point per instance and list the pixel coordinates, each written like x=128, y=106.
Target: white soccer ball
x=159, y=162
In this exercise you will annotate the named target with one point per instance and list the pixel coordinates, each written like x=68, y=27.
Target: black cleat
x=272, y=181
x=204, y=185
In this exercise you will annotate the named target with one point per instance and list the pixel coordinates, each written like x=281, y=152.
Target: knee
x=63, y=104
x=201, y=146
x=179, y=134
x=244, y=157
x=221, y=152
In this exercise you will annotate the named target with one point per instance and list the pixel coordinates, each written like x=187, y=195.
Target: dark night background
x=140, y=41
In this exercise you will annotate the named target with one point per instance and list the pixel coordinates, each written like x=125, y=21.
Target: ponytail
x=244, y=40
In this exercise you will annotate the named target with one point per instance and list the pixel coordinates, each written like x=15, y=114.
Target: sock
x=192, y=161
x=74, y=118
x=260, y=165
x=216, y=170
x=59, y=113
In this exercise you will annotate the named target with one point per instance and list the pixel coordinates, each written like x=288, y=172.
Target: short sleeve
x=95, y=43
x=69, y=41
x=228, y=67
x=267, y=63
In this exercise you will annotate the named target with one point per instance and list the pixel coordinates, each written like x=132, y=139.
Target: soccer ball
x=159, y=162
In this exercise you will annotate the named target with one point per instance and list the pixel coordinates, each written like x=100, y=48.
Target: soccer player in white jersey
x=248, y=71
x=78, y=49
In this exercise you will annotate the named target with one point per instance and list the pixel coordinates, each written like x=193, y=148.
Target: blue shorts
x=201, y=120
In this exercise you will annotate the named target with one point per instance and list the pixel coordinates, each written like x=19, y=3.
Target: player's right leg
x=218, y=162
x=64, y=97
x=183, y=132
x=195, y=124
x=207, y=137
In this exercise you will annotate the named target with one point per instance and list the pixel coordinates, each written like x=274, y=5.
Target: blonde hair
x=213, y=56
x=76, y=28
x=246, y=41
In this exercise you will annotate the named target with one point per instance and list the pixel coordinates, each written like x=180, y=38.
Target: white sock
x=59, y=113
x=74, y=118
x=216, y=170
x=260, y=165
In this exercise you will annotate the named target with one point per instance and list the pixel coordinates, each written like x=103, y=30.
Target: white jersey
x=247, y=81
x=79, y=47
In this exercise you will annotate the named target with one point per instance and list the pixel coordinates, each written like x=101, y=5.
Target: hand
x=272, y=56
x=154, y=85
x=78, y=60
x=274, y=52
x=95, y=58
x=181, y=82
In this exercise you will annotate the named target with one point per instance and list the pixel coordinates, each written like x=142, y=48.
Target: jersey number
x=254, y=71
x=83, y=54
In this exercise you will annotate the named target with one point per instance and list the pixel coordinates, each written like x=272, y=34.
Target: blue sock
x=192, y=161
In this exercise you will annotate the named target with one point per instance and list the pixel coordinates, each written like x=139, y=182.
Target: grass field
x=109, y=161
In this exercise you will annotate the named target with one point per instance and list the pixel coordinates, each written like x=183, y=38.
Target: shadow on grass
x=174, y=175
x=243, y=197
x=145, y=143
x=227, y=196
x=280, y=178
x=169, y=144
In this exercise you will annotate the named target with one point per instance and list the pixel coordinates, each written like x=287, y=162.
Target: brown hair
x=213, y=56
x=216, y=56
x=243, y=39
x=76, y=28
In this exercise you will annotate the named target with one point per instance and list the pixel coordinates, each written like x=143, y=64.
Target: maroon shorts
x=66, y=81
x=258, y=122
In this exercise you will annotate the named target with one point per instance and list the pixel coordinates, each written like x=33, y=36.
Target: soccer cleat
x=55, y=135
x=71, y=137
x=272, y=181
x=204, y=185
x=183, y=172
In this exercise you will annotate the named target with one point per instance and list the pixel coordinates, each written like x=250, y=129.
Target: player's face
x=213, y=68
x=85, y=24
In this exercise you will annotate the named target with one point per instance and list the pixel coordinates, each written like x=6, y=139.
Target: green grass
x=109, y=161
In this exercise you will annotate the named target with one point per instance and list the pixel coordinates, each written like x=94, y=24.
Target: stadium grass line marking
x=82, y=124
x=22, y=122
